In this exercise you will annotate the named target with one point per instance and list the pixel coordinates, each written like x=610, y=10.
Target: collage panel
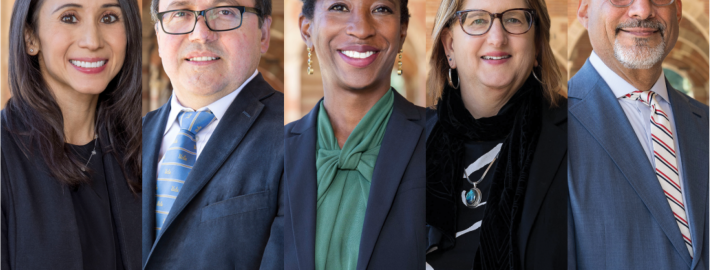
x=638, y=134
x=497, y=135
x=71, y=134
x=212, y=134
x=354, y=136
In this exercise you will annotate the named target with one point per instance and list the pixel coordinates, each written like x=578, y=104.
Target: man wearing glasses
x=213, y=154
x=638, y=148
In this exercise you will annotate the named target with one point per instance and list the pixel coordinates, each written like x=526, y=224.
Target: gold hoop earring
x=399, y=70
x=536, y=78
x=309, y=70
x=451, y=83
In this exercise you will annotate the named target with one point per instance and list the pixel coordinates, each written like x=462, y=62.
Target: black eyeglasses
x=183, y=21
x=476, y=22
x=626, y=3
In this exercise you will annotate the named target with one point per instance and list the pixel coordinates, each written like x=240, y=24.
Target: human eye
x=109, y=18
x=69, y=18
x=339, y=7
x=382, y=9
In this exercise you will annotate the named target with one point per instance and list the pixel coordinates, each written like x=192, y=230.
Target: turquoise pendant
x=473, y=198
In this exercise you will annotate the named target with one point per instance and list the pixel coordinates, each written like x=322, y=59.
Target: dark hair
x=310, y=5
x=264, y=7
x=33, y=106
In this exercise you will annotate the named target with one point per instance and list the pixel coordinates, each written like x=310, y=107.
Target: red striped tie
x=665, y=160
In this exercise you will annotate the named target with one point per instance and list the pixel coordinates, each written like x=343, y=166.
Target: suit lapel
x=400, y=140
x=693, y=144
x=549, y=155
x=153, y=129
x=301, y=188
x=232, y=128
x=600, y=113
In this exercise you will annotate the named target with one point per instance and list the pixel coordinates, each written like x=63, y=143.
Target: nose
x=496, y=36
x=641, y=9
x=202, y=34
x=360, y=24
x=91, y=39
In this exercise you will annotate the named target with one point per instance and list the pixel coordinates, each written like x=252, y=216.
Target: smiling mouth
x=85, y=64
x=358, y=55
x=486, y=57
x=202, y=59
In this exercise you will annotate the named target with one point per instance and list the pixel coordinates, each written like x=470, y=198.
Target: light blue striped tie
x=178, y=161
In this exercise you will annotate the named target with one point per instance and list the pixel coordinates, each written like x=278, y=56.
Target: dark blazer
x=39, y=229
x=543, y=226
x=229, y=214
x=394, y=231
x=620, y=218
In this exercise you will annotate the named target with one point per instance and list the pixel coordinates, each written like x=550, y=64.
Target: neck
x=346, y=108
x=641, y=79
x=482, y=101
x=79, y=115
x=195, y=102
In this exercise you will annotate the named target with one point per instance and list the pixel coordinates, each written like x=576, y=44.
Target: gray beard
x=640, y=55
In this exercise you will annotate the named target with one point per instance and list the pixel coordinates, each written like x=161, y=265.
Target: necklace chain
x=93, y=152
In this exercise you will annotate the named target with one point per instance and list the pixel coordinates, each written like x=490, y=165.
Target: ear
x=305, y=28
x=31, y=42
x=403, y=34
x=679, y=10
x=583, y=13
x=447, y=40
x=265, y=34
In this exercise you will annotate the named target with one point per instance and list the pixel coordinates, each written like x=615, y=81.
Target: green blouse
x=343, y=179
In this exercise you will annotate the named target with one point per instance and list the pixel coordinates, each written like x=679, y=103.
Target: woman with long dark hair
x=71, y=136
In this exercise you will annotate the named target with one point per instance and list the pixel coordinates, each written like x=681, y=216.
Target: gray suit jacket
x=229, y=213
x=618, y=215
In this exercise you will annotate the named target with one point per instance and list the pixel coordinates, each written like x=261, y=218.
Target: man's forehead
x=173, y=4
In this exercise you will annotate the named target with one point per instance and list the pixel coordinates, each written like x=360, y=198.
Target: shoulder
x=431, y=118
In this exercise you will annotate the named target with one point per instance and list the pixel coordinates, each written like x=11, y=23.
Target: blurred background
x=303, y=91
x=686, y=67
x=156, y=85
x=557, y=10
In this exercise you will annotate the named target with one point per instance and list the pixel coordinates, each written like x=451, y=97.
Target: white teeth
x=87, y=64
x=495, y=57
x=204, y=58
x=359, y=55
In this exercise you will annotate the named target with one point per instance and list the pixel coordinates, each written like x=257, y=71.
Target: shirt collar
x=218, y=108
x=621, y=87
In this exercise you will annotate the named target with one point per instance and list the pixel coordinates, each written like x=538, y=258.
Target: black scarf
x=520, y=120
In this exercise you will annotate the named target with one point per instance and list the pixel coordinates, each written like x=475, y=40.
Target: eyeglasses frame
x=632, y=2
x=198, y=13
x=459, y=18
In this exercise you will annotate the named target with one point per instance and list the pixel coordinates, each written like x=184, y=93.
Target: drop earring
x=399, y=69
x=309, y=70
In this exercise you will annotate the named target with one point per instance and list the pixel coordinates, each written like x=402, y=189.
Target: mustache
x=647, y=23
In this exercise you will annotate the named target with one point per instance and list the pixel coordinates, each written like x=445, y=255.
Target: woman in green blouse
x=355, y=165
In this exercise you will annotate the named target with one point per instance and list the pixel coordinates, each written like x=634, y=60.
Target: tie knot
x=195, y=121
x=647, y=97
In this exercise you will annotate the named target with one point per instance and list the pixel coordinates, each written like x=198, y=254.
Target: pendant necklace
x=93, y=152
x=473, y=196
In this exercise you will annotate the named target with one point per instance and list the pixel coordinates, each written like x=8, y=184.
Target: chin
x=91, y=88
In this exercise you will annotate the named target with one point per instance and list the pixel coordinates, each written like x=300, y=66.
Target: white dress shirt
x=639, y=114
x=218, y=108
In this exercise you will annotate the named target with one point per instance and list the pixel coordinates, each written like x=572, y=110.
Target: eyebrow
x=80, y=6
x=179, y=4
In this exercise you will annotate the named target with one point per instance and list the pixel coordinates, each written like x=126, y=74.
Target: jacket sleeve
x=5, y=261
x=274, y=253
